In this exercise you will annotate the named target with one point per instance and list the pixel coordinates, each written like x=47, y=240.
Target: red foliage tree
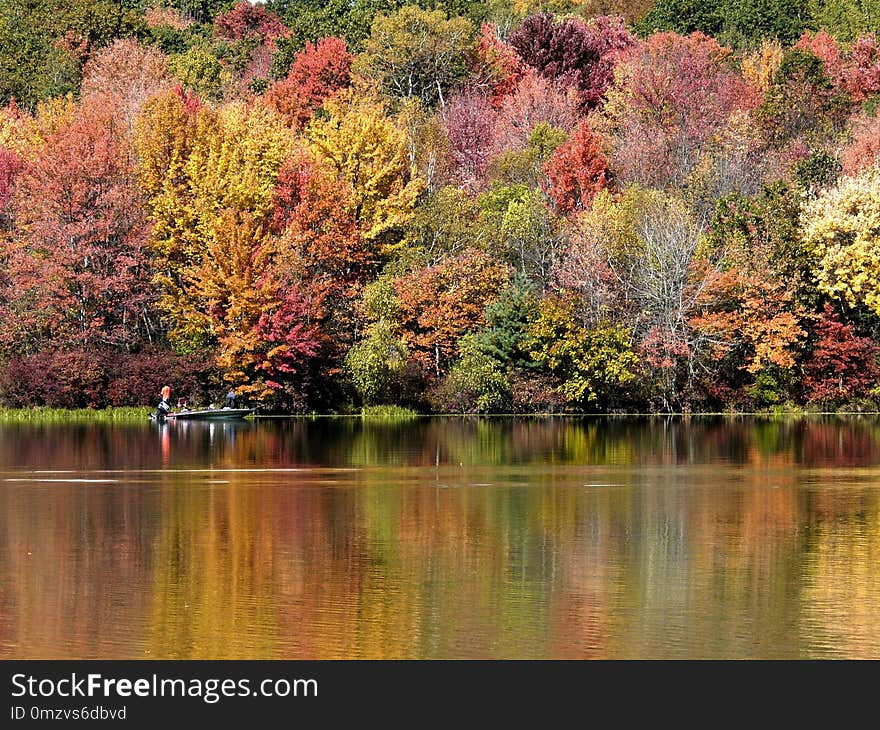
x=864, y=149
x=535, y=100
x=291, y=338
x=134, y=379
x=313, y=213
x=577, y=171
x=470, y=122
x=609, y=37
x=674, y=96
x=252, y=29
x=246, y=20
x=824, y=46
x=10, y=166
x=77, y=265
x=862, y=69
x=534, y=39
x=842, y=365
x=573, y=52
x=317, y=72
x=72, y=379
x=320, y=247
x=97, y=379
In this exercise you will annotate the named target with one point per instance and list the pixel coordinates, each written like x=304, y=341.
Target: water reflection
x=326, y=538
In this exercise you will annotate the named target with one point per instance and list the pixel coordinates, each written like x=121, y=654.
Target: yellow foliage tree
x=842, y=229
x=195, y=163
x=369, y=151
x=237, y=166
x=24, y=133
x=760, y=66
x=228, y=291
x=166, y=133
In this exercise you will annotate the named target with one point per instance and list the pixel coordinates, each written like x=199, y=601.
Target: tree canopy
x=460, y=206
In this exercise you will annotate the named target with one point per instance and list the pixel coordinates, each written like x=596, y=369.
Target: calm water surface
x=442, y=538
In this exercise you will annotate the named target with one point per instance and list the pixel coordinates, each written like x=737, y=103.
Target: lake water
x=442, y=538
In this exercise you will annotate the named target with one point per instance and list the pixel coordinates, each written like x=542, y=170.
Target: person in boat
x=230, y=399
x=164, y=407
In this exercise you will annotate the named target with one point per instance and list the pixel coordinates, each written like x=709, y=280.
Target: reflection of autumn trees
x=357, y=442
x=841, y=605
x=213, y=573
x=446, y=538
x=70, y=558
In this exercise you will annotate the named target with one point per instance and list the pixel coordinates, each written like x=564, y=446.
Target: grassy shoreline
x=65, y=415
x=130, y=414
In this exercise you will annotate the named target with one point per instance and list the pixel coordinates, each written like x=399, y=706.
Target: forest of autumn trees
x=453, y=206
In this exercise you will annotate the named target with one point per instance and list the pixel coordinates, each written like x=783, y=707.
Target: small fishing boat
x=208, y=414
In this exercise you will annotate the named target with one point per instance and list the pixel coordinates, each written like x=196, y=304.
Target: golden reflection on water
x=442, y=538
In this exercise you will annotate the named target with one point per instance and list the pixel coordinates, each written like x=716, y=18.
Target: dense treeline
x=457, y=207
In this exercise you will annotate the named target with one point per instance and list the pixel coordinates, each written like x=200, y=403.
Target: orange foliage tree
x=534, y=100
x=756, y=319
x=128, y=73
x=499, y=66
x=320, y=246
x=577, y=171
x=440, y=303
x=262, y=329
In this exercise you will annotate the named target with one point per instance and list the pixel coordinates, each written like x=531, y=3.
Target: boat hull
x=211, y=414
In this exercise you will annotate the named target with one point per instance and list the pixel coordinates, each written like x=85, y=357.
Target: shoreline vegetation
x=63, y=415
x=478, y=207
x=129, y=414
